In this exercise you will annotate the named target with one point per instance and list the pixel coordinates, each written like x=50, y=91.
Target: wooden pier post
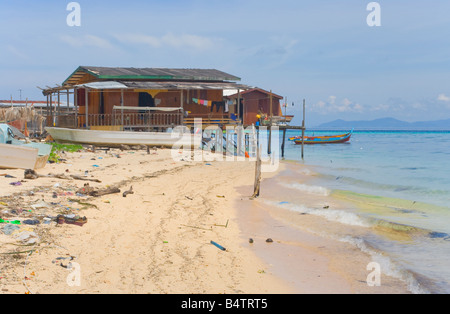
x=257, y=185
x=269, y=148
x=303, y=130
x=282, y=145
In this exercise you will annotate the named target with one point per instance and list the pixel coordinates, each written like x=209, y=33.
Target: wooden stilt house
x=147, y=99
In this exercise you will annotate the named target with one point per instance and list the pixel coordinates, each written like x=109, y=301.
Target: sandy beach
x=157, y=240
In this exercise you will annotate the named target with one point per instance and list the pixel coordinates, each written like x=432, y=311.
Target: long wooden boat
x=17, y=154
x=331, y=139
x=117, y=138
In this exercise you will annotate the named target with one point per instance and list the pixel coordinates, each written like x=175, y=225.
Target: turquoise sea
x=398, y=181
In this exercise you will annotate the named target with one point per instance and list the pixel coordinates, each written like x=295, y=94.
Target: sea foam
x=311, y=189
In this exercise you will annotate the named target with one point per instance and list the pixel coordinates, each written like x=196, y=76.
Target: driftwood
x=31, y=175
x=88, y=190
x=130, y=191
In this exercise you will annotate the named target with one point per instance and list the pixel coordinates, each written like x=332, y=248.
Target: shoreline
x=310, y=261
x=158, y=239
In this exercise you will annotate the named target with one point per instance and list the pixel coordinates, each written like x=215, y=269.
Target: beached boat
x=331, y=139
x=117, y=138
x=18, y=154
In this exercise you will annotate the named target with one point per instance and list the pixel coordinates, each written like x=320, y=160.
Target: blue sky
x=318, y=50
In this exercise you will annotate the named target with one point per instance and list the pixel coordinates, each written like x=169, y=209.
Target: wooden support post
x=51, y=109
x=47, y=111
x=238, y=109
x=282, y=145
x=58, y=112
x=68, y=100
x=75, y=102
x=121, y=105
x=257, y=185
x=182, y=108
x=271, y=109
x=303, y=130
x=87, y=108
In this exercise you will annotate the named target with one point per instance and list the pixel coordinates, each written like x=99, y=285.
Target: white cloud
x=16, y=52
x=169, y=40
x=443, y=97
x=86, y=41
x=332, y=106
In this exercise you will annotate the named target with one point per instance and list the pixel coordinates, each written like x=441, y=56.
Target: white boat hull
x=20, y=157
x=117, y=138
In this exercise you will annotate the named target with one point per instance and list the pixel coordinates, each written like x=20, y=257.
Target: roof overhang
x=89, y=73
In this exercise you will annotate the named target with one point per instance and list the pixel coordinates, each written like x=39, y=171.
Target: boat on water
x=327, y=139
x=117, y=138
x=16, y=153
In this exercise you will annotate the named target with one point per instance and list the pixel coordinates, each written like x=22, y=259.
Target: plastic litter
x=218, y=246
x=8, y=229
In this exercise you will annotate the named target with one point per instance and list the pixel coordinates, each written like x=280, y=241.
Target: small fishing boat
x=117, y=138
x=19, y=154
x=330, y=139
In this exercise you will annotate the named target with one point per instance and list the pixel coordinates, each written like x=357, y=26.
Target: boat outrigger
x=331, y=139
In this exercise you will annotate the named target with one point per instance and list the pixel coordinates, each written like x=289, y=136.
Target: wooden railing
x=208, y=120
x=131, y=120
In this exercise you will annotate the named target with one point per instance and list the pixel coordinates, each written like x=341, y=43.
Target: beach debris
x=31, y=175
x=31, y=222
x=83, y=203
x=72, y=220
x=269, y=240
x=18, y=183
x=250, y=240
x=220, y=196
x=88, y=190
x=15, y=222
x=195, y=227
x=225, y=226
x=27, y=236
x=326, y=207
x=130, y=191
x=9, y=229
x=218, y=246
